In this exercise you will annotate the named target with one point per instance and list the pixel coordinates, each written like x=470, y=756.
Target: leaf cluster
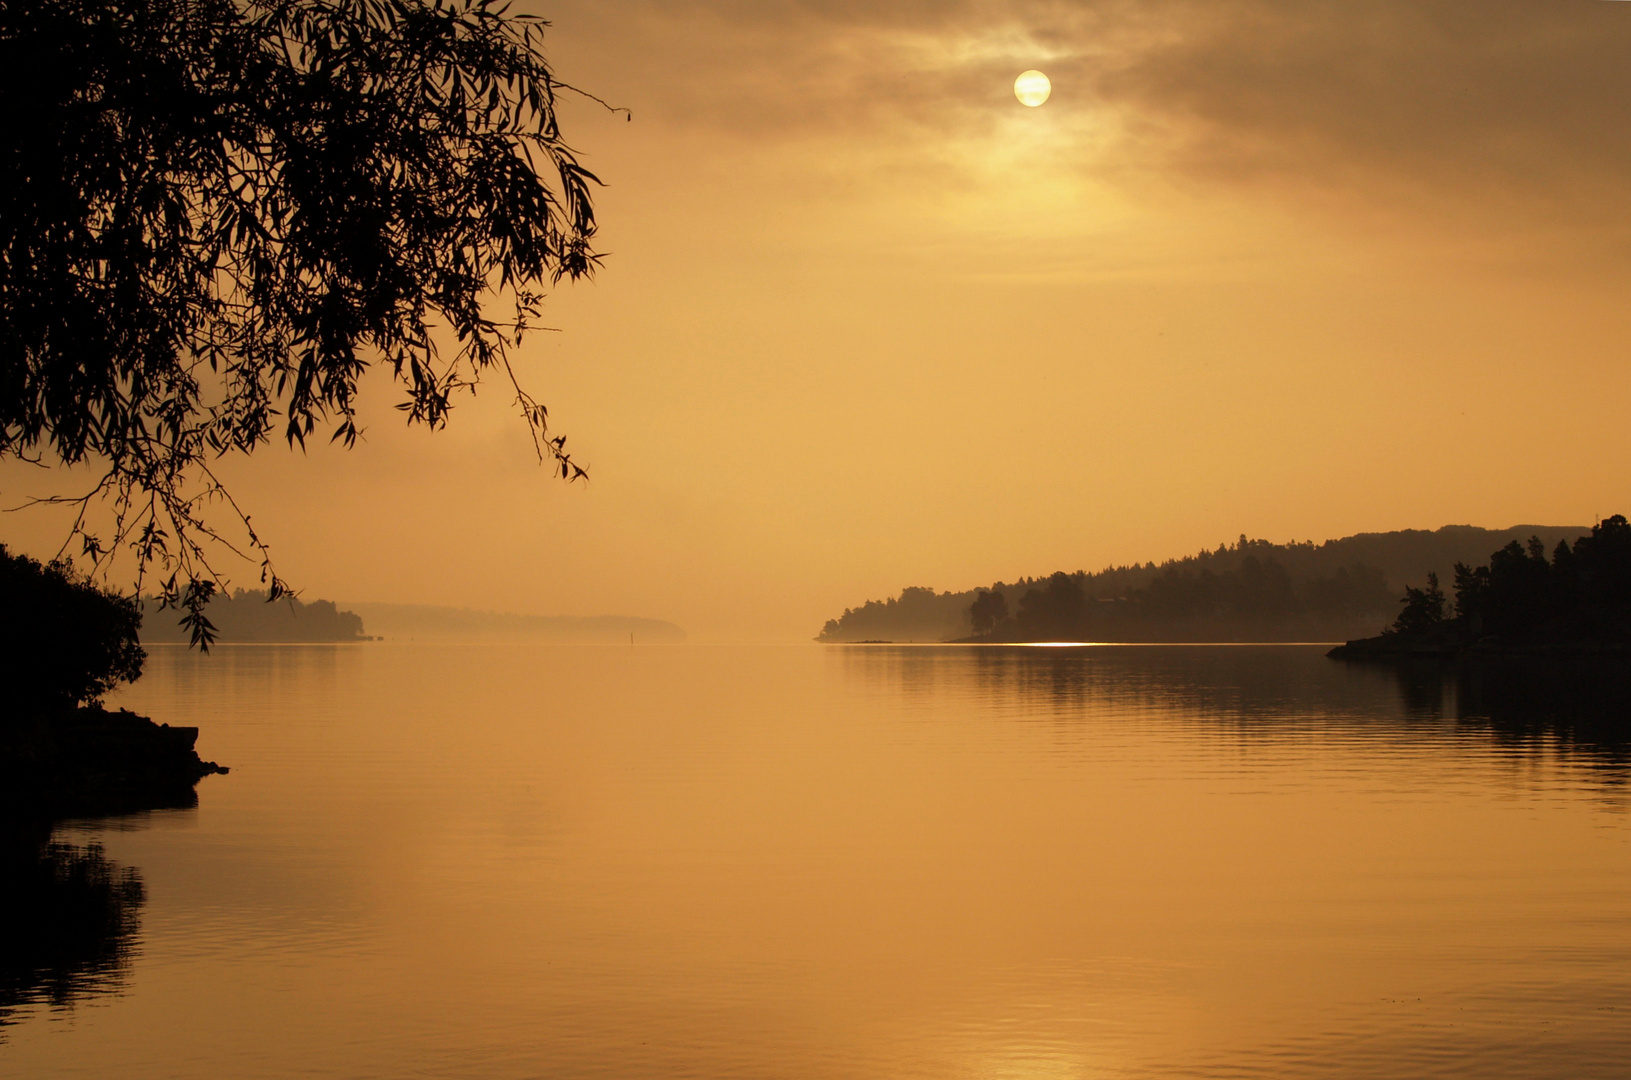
x=216, y=215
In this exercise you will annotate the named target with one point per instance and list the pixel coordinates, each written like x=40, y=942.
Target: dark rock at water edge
x=1450, y=642
x=69, y=916
x=92, y=762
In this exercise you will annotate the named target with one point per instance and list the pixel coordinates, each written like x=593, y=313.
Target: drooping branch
x=216, y=216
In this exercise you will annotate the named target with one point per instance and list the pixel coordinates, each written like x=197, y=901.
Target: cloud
x=1510, y=96
x=1519, y=106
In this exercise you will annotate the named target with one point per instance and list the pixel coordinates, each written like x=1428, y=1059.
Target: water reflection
x=1574, y=707
x=68, y=920
x=1577, y=709
x=1264, y=682
x=903, y=862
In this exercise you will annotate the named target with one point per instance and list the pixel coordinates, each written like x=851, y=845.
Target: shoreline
x=1409, y=647
x=95, y=762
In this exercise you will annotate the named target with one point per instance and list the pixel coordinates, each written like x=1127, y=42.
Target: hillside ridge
x=1333, y=590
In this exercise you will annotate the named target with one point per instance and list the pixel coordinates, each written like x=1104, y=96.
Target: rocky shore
x=92, y=762
x=1450, y=645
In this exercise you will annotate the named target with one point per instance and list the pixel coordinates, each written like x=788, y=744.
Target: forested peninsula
x=1250, y=590
x=245, y=616
x=1520, y=602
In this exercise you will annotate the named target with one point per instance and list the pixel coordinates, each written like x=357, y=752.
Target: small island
x=1577, y=602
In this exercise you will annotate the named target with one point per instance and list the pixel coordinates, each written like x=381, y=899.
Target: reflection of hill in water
x=68, y=921
x=1576, y=707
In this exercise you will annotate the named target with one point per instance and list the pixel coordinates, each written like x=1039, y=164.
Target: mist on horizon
x=1296, y=271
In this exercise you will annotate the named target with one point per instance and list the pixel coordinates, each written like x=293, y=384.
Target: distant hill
x=1252, y=590
x=245, y=616
x=397, y=622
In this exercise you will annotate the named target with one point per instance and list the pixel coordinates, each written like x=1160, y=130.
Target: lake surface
x=856, y=862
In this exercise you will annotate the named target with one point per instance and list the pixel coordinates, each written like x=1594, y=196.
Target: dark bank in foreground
x=1577, y=602
x=68, y=915
x=63, y=644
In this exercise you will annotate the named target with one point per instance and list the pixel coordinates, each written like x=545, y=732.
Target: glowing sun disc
x=1032, y=88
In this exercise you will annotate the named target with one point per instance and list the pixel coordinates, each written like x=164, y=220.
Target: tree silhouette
x=1579, y=601
x=1056, y=610
x=1423, y=608
x=216, y=215
x=63, y=641
x=987, y=610
x=1584, y=592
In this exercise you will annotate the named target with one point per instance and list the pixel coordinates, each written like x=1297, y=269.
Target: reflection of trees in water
x=245, y=676
x=68, y=921
x=1256, y=683
x=1576, y=708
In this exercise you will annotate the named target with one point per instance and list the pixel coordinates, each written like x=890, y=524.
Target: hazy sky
x=1294, y=269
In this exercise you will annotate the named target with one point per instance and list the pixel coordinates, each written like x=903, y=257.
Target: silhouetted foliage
x=215, y=215
x=1056, y=610
x=1580, y=597
x=987, y=610
x=915, y=606
x=1423, y=608
x=250, y=615
x=64, y=642
x=1251, y=590
x=1583, y=592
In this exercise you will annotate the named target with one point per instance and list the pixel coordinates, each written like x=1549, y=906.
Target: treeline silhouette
x=1251, y=590
x=424, y=622
x=1256, y=600
x=1580, y=597
x=247, y=616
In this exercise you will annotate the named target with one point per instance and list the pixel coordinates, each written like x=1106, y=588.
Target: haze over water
x=524, y=861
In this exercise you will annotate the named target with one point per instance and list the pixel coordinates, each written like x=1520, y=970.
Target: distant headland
x=245, y=617
x=1250, y=590
x=420, y=622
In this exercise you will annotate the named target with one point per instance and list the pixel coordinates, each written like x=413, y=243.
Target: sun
x=1032, y=88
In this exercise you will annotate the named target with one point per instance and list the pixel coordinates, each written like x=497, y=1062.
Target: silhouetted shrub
x=64, y=642
x=1423, y=608
x=987, y=610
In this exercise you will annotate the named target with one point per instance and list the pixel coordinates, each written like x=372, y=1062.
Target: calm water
x=791, y=862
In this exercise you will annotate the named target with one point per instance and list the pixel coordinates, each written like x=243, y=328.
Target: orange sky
x=1296, y=270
